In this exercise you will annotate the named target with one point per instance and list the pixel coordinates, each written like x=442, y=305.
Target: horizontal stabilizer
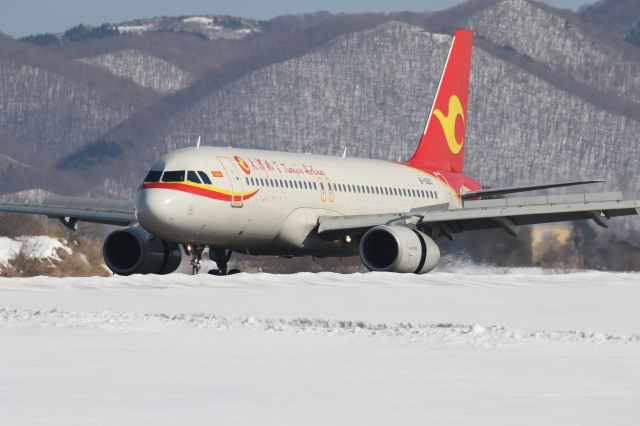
x=515, y=189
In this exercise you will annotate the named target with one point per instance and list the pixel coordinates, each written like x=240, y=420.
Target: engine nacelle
x=398, y=249
x=134, y=251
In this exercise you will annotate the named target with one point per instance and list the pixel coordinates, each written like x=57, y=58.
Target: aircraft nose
x=154, y=210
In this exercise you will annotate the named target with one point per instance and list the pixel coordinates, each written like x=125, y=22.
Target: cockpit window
x=153, y=176
x=205, y=178
x=173, y=176
x=193, y=177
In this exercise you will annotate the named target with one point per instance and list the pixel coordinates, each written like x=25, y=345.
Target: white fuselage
x=265, y=202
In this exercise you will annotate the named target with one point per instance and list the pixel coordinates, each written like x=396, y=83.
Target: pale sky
x=24, y=17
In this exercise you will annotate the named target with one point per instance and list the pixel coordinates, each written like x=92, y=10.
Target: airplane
x=287, y=204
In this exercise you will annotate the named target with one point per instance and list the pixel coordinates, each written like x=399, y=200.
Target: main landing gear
x=221, y=257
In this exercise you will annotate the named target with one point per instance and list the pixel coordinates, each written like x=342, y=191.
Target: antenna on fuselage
x=198, y=143
x=344, y=154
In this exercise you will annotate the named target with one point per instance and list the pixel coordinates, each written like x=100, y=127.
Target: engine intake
x=398, y=249
x=134, y=251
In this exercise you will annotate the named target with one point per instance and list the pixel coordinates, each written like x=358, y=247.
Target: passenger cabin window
x=153, y=176
x=193, y=177
x=205, y=178
x=173, y=176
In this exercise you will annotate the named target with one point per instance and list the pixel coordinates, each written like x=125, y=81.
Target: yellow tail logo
x=448, y=123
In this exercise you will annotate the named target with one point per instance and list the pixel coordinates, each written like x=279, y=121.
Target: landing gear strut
x=196, y=257
x=221, y=257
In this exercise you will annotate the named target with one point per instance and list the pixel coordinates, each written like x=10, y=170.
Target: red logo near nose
x=243, y=165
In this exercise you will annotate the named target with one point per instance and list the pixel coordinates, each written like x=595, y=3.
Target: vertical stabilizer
x=442, y=144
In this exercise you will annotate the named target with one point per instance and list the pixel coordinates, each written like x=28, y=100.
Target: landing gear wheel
x=221, y=257
x=230, y=272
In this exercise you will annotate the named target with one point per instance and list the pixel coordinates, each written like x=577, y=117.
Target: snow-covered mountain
x=54, y=105
x=619, y=18
x=561, y=41
x=146, y=70
x=212, y=27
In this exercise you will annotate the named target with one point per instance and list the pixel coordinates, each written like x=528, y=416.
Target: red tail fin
x=442, y=145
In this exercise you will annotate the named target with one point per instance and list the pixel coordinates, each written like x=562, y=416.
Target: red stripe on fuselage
x=203, y=192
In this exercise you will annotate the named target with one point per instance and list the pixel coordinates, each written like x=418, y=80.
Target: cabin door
x=237, y=188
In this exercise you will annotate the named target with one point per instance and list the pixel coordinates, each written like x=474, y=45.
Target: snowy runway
x=478, y=347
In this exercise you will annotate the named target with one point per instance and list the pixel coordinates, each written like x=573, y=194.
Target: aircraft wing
x=490, y=192
x=505, y=213
x=70, y=210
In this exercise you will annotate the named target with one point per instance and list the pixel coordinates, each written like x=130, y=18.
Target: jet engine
x=134, y=251
x=398, y=249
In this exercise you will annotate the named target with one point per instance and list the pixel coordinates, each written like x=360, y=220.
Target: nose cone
x=157, y=212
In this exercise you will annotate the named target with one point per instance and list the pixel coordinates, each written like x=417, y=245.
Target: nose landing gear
x=221, y=257
x=196, y=256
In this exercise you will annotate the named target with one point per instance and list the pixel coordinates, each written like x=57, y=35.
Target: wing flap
x=491, y=192
x=487, y=214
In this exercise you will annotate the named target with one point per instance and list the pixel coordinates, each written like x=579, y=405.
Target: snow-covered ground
x=40, y=247
x=480, y=346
